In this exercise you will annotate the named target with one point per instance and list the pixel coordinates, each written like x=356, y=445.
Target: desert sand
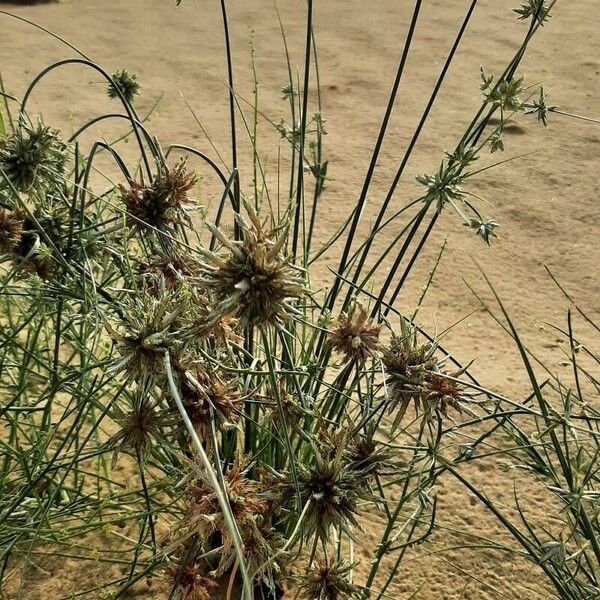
x=546, y=202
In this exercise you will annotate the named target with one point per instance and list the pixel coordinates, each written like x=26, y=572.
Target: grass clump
x=260, y=419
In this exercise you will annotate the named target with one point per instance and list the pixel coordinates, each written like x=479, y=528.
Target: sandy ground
x=546, y=202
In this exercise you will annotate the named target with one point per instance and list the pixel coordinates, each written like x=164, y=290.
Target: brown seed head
x=332, y=489
x=415, y=375
x=443, y=393
x=162, y=203
x=406, y=364
x=355, y=336
x=328, y=582
x=192, y=584
x=252, y=509
x=141, y=424
x=11, y=229
x=205, y=398
x=254, y=282
x=150, y=324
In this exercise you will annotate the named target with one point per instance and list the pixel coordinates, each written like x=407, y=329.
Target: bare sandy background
x=547, y=202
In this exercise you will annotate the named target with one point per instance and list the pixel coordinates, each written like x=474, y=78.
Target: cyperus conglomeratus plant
x=179, y=383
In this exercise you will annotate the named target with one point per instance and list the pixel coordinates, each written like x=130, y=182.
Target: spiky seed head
x=332, y=491
x=406, y=363
x=539, y=10
x=444, y=186
x=140, y=426
x=252, y=508
x=150, y=324
x=254, y=282
x=484, y=229
x=328, y=582
x=172, y=269
x=192, y=584
x=506, y=94
x=126, y=83
x=207, y=399
x=355, y=336
x=11, y=229
x=540, y=108
x=34, y=156
x=161, y=204
x=443, y=392
x=414, y=374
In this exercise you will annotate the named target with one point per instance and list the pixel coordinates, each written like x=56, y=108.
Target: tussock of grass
x=260, y=418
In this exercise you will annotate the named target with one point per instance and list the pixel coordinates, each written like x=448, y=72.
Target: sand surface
x=547, y=202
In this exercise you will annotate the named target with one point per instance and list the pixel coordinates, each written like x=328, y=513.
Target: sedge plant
x=177, y=382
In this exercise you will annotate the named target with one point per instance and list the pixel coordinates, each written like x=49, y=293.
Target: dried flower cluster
x=328, y=582
x=209, y=401
x=254, y=282
x=150, y=324
x=414, y=375
x=253, y=510
x=161, y=204
x=355, y=336
x=11, y=229
x=191, y=583
x=141, y=425
x=332, y=487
